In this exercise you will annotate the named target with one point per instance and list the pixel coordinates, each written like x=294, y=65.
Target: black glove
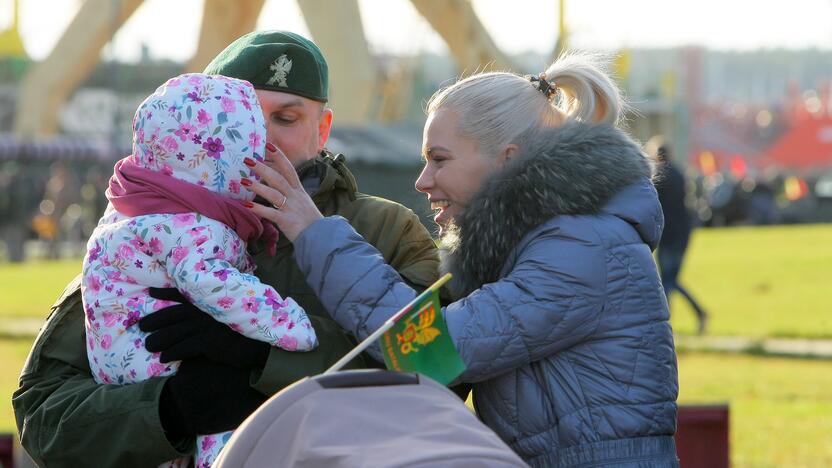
x=204, y=397
x=183, y=332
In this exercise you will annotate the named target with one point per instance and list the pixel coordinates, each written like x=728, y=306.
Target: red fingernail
x=249, y=162
x=271, y=147
x=245, y=183
x=248, y=204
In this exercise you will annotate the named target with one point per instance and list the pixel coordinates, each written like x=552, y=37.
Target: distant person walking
x=670, y=184
x=19, y=199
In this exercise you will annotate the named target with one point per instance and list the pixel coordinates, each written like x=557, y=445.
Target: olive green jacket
x=65, y=418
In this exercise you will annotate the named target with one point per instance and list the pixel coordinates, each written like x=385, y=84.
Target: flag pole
x=387, y=325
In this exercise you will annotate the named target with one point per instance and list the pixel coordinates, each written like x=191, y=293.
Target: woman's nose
x=425, y=180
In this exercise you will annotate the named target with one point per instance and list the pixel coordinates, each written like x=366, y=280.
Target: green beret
x=275, y=61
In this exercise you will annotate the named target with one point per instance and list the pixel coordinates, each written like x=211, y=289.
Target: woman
x=549, y=217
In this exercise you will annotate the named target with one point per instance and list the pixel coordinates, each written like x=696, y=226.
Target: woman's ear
x=508, y=153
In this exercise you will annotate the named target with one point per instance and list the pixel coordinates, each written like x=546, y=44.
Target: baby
x=176, y=218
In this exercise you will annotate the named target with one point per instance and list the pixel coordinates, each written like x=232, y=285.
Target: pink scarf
x=136, y=191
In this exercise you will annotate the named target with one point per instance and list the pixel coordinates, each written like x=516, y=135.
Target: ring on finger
x=279, y=206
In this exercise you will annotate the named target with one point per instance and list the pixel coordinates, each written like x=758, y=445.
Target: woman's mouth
x=441, y=208
x=439, y=204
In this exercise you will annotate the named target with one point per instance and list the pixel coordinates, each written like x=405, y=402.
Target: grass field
x=781, y=409
x=754, y=281
x=29, y=289
x=771, y=281
x=12, y=356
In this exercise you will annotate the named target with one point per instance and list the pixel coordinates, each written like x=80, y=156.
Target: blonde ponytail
x=585, y=91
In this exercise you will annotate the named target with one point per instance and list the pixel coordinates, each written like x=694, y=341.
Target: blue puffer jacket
x=563, y=325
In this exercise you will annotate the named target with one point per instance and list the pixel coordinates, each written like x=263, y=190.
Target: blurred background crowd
x=751, y=129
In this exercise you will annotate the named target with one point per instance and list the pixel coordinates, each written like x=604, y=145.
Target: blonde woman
x=549, y=217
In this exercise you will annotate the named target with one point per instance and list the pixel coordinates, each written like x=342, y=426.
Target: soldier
x=66, y=419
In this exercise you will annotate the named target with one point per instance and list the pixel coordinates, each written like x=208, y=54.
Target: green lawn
x=760, y=281
x=12, y=356
x=754, y=281
x=780, y=409
x=29, y=289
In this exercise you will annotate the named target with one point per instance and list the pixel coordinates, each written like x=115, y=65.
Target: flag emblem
x=417, y=335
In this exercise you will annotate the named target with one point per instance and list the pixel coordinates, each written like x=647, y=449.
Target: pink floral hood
x=199, y=128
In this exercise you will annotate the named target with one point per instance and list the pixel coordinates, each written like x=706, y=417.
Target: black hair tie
x=543, y=85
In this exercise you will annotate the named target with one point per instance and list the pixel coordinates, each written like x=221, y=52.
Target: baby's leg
x=208, y=448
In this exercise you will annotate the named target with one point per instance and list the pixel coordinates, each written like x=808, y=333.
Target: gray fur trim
x=574, y=169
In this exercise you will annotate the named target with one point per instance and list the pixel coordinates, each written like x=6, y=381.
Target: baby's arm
x=200, y=270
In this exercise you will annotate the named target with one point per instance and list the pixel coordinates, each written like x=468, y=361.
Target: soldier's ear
x=324, y=127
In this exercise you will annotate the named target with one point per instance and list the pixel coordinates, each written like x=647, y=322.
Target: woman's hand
x=292, y=209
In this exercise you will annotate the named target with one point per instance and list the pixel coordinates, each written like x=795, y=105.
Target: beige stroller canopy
x=365, y=418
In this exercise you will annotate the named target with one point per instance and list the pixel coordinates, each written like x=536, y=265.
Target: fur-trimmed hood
x=576, y=169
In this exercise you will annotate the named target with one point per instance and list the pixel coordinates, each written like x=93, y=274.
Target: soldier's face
x=297, y=125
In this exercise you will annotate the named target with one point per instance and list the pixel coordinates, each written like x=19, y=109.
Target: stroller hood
x=365, y=418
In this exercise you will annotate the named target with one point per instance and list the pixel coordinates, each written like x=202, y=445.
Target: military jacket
x=66, y=419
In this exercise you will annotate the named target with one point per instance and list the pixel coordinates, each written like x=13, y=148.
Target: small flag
x=421, y=343
x=416, y=339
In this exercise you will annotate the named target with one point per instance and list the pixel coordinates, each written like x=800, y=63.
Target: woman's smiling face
x=454, y=166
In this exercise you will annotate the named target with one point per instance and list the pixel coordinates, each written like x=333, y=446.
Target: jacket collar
x=333, y=175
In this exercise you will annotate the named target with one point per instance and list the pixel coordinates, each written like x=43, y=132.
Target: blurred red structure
x=807, y=145
x=702, y=436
